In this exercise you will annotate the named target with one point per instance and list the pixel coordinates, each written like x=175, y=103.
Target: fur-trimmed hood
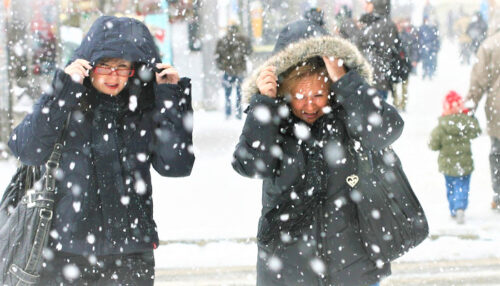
x=308, y=48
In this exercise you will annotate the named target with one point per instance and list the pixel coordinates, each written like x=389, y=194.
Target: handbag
x=391, y=219
x=26, y=212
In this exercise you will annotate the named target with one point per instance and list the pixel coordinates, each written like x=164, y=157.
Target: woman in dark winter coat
x=124, y=118
x=296, y=138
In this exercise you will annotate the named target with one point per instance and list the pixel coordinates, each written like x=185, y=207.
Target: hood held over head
x=113, y=37
x=302, y=40
x=124, y=38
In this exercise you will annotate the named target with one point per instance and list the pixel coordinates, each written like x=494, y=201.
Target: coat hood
x=303, y=40
x=112, y=37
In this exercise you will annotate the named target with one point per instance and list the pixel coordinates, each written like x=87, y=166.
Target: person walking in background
x=231, y=55
x=428, y=37
x=409, y=41
x=346, y=26
x=296, y=138
x=464, y=41
x=450, y=22
x=452, y=138
x=477, y=31
x=377, y=41
x=429, y=10
x=103, y=227
x=485, y=81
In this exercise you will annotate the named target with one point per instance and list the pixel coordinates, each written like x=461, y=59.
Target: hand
x=168, y=74
x=267, y=82
x=78, y=70
x=335, y=68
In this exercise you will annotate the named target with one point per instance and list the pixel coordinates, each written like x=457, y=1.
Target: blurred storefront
x=77, y=16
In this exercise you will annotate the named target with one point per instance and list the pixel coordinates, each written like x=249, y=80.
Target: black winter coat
x=328, y=249
x=377, y=41
x=308, y=231
x=103, y=193
x=232, y=51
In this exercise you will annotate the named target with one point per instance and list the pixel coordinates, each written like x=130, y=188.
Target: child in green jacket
x=452, y=139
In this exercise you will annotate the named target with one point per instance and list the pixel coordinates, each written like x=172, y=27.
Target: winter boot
x=460, y=217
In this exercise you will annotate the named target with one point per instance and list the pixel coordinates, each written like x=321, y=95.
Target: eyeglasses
x=110, y=71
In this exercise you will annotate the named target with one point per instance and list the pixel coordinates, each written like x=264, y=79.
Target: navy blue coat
x=429, y=41
x=103, y=193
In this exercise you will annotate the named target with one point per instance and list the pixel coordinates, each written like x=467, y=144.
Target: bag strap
x=363, y=158
x=40, y=241
x=55, y=158
x=44, y=223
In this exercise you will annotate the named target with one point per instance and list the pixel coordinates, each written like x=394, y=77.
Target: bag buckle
x=52, y=165
x=47, y=214
x=31, y=202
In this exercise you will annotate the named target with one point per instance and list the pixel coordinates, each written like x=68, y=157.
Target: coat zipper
x=323, y=281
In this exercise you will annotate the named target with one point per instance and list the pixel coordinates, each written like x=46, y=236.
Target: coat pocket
x=345, y=248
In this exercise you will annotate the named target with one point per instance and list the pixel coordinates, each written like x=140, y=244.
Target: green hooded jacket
x=452, y=139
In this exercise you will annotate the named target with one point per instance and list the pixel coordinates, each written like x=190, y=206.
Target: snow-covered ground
x=210, y=218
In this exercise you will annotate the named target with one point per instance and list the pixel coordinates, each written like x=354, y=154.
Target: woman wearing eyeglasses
x=124, y=118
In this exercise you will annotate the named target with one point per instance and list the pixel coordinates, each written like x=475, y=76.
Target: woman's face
x=308, y=97
x=112, y=83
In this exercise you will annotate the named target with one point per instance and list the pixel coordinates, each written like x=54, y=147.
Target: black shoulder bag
x=391, y=219
x=26, y=214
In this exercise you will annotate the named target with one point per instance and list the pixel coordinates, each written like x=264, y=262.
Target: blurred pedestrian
x=464, y=40
x=346, y=26
x=485, y=81
x=377, y=41
x=428, y=37
x=450, y=22
x=296, y=138
x=429, y=10
x=103, y=230
x=477, y=31
x=409, y=41
x=452, y=138
x=231, y=55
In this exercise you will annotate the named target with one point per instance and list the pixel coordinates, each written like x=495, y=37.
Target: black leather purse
x=391, y=219
x=26, y=213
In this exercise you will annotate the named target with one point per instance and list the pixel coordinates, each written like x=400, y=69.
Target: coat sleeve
x=172, y=150
x=435, y=139
x=32, y=141
x=253, y=156
x=368, y=118
x=475, y=130
x=480, y=80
